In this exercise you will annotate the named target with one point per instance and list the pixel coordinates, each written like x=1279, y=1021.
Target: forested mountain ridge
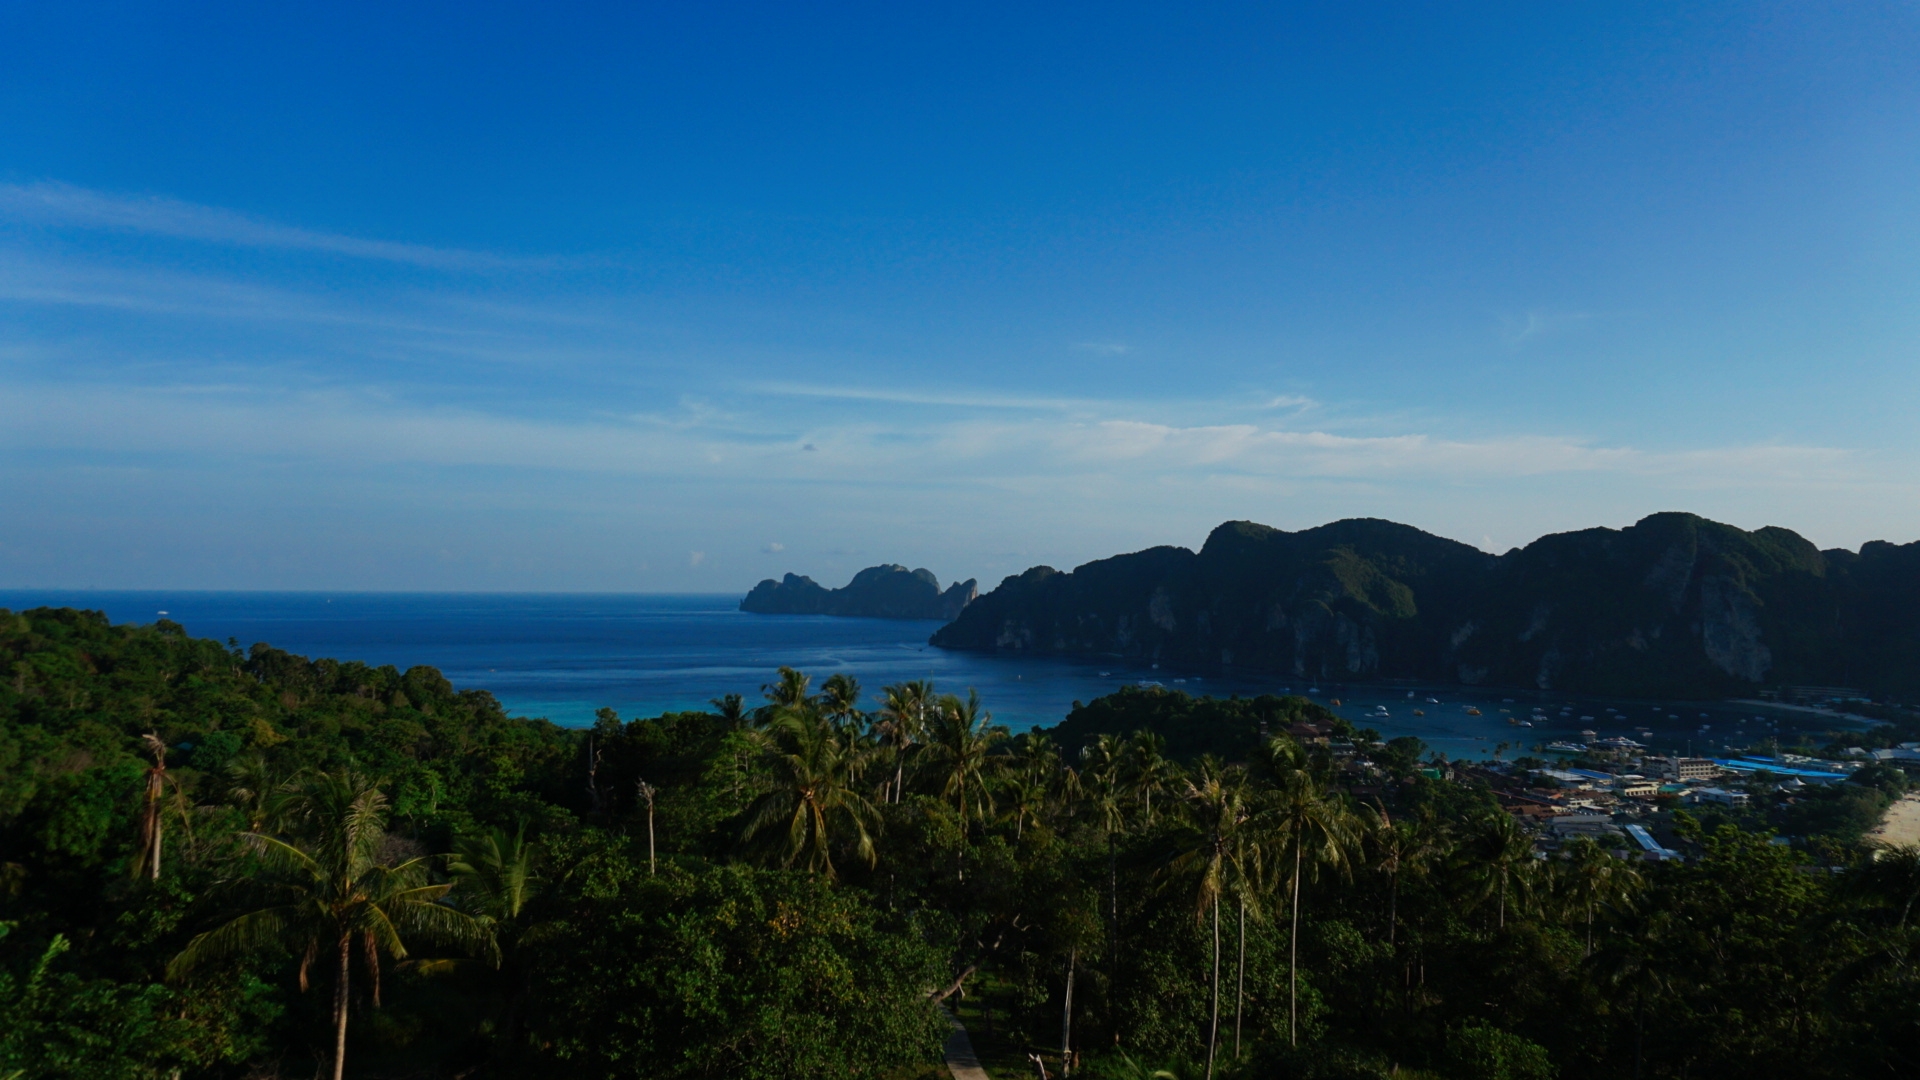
x=879, y=592
x=1672, y=606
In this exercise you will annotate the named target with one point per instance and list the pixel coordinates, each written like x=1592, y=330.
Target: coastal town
x=1621, y=791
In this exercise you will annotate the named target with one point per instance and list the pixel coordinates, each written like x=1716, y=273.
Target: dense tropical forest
x=228, y=862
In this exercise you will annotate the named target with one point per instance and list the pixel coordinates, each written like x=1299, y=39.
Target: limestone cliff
x=881, y=592
x=1674, y=605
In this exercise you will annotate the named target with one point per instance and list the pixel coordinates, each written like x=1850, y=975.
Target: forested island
x=1675, y=606
x=878, y=592
x=234, y=862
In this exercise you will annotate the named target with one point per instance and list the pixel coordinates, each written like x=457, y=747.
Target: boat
x=1433, y=701
x=1419, y=712
x=1471, y=711
x=1335, y=703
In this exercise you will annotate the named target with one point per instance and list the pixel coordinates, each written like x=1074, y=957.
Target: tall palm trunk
x=1393, y=908
x=1293, y=955
x=1113, y=925
x=1240, y=979
x=340, y=1008
x=1066, y=1018
x=646, y=791
x=1213, y=1028
x=960, y=853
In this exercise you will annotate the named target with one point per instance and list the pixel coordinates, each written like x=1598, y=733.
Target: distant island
x=878, y=592
x=1673, y=606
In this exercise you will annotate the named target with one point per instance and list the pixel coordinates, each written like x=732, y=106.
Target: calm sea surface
x=562, y=656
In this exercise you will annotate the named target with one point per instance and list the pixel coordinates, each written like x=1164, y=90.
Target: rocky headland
x=878, y=592
x=1672, y=606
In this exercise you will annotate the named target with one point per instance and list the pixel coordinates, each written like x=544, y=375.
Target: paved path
x=961, y=1061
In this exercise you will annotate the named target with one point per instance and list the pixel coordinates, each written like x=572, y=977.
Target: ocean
x=563, y=656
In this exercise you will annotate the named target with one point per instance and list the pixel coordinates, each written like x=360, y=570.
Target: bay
x=563, y=656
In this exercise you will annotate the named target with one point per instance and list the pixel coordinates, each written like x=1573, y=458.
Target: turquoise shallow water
x=564, y=655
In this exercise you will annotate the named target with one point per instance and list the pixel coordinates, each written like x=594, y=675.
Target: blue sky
x=676, y=297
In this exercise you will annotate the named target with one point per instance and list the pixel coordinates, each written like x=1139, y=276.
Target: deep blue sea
x=562, y=656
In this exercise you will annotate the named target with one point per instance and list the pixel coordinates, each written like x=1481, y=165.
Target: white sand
x=1902, y=824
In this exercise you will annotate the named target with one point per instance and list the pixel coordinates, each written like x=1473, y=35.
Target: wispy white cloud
x=56, y=203
x=1519, y=329
x=950, y=399
x=370, y=429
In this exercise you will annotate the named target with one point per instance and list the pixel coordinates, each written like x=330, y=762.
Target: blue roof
x=1645, y=839
x=1777, y=770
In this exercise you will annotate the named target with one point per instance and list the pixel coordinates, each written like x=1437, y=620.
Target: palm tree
x=960, y=756
x=1100, y=763
x=499, y=876
x=787, y=693
x=1312, y=831
x=1032, y=774
x=1399, y=848
x=840, y=700
x=499, y=873
x=1891, y=876
x=1593, y=879
x=731, y=709
x=1503, y=853
x=813, y=801
x=333, y=892
x=960, y=753
x=1215, y=797
x=904, y=712
x=151, y=825
x=1149, y=770
x=260, y=793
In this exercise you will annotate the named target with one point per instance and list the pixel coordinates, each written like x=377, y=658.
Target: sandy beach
x=1902, y=823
